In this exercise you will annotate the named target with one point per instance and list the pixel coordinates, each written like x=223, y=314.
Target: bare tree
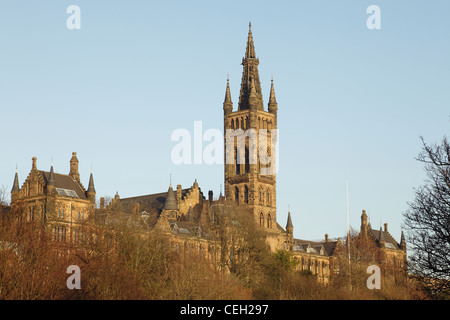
x=428, y=219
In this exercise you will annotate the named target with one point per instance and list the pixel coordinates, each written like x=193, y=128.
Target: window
x=246, y=194
x=236, y=195
x=267, y=198
x=237, y=162
x=247, y=161
x=269, y=221
x=261, y=220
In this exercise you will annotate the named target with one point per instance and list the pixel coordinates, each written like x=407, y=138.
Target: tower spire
x=402, y=241
x=250, y=50
x=289, y=225
x=171, y=199
x=51, y=177
x=91, y=187
x=250, y=73
x=273, y=106
x=16, y=187
x=227, y=103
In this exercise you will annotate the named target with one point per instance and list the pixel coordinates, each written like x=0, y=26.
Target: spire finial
x=170, y=179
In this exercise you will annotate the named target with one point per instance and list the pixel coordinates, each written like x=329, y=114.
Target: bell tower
x=250, y=140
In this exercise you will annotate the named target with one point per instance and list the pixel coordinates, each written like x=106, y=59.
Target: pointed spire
x=403, y=241
x=51, y=177
x=250, y=77
x=171, y=199
x=289, y=225
x=253, y=98
x=16, y=187
x=227, y=103
x=91, y=187
x=381, y=238
x=273, y=106
x=250, y=50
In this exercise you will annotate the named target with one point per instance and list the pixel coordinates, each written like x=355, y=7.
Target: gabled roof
x=386, y=237
x=63, y=181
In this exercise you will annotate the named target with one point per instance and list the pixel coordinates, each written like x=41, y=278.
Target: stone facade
x=58, y=200
x=250, y=183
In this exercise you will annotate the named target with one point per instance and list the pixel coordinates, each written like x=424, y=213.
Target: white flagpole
x=348, y=237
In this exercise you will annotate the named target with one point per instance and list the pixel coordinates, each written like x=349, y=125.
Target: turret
x=51, y=180
x=364, y=225
x=381, y=240
x=403, y=242
x=272, y=106
x=74, y=167
x=171, y=200
x=15, y=189
x=289, y=225
x=91, y=189
x=227, y=103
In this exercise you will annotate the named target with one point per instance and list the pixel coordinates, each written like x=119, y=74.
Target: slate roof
x=156, y=200
x=64, y=181
x=388, y=239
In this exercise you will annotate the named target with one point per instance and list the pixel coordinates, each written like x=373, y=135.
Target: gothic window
x=237, y=162
x=232, y=123
x=269, y=221
x=261, y=219
x=236, y=195
x=246, y=194
x=261, y=200
x=268, y=198
x=247, y=160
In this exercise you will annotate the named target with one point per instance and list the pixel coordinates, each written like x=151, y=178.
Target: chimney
x=34, y=166
x=210, y=196
x=102, y=203
x=326, y=237
x=386, y=227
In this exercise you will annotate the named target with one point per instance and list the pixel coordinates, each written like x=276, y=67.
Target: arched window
x=268, y=198
x=237, y=162
x=246, y=194
x=232, y=123
x=269, y=221
x=236, y=195
x=261, y=219
x=247, y=160
x=261, y=200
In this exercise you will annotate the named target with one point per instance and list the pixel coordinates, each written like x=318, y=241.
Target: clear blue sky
x=352, y=101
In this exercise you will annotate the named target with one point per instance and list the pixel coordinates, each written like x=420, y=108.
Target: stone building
x=250, y=183
x=58, y=200
x=185, y=213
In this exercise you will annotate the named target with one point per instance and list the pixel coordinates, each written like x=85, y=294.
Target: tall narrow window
x=267, y=198
x=269, y=221
x=237, y=162
x=247, y=160
x=236, y=195
x=246, y=194
x=261, y=219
